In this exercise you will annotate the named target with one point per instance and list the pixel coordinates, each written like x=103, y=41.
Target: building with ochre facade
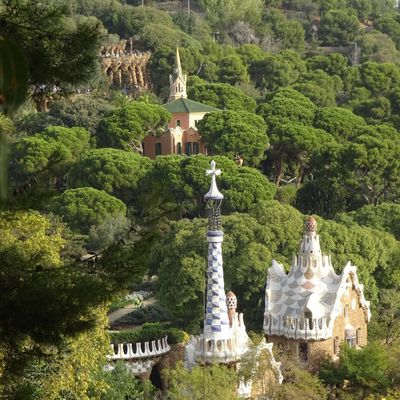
x=181, y=137
x=311, y=310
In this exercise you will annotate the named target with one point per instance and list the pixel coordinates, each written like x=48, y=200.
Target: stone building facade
x=181, y=137
x=125, y=67
x=312, y=310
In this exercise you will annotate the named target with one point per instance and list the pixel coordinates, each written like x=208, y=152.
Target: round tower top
x=310, y=225
x=231, y=300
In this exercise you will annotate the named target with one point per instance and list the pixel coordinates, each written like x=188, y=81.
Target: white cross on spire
x=213, y=171
x=213, y=193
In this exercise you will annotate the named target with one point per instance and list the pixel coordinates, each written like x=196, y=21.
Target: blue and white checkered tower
x=216, y=322
x=215, y=345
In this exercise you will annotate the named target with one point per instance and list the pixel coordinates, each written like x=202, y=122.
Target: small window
x=178, y=122
x=358, y=337
x=179, y=148
x=351, y=342
x=196, y=148
x=158, y=149
x=188, y=148
x=346, y=311
x=303, y=351
x=336, y=345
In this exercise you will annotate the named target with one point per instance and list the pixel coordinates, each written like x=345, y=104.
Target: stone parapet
x=128, y=351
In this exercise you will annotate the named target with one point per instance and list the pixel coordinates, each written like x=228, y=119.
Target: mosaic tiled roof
x=305, y=302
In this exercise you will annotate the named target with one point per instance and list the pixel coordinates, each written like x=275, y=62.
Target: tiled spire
x=216, y=322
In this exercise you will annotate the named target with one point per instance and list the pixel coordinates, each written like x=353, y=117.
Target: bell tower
x=177, y=81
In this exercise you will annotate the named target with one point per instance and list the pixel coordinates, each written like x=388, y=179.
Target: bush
x=286, y=194
x=153, y=313
x=149, y=332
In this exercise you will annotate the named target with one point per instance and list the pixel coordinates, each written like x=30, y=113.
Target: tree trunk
x=278, y=171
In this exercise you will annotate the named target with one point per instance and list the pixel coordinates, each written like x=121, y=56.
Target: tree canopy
x=61, y=50
x=117, y=172
x=126, y=127
x=85, y=207
x=222, y=96
x=233, y=133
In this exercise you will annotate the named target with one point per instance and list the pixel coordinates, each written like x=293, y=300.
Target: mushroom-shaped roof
x=310, y=225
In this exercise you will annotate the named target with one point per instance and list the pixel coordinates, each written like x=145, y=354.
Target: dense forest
x=309, y=98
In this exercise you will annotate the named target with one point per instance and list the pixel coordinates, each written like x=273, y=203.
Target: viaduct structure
x=125, y=67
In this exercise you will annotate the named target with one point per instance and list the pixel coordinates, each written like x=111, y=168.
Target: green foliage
x=50, y=313
x=50, y=152
x=148, y=333
x=221, y=15
x=127, y=126
x=367, y=168
x=373, y=252
x=232, y=70
x=389, y=25
x=378, y=47
x=379, y=79
x=385, y=217
x=322, y=198
x=286, y=194
x=134, y=20
x=82, y=110
x=222, y=96
x=155, y=37
x=320, y=87
x=386, y=324
x=34, y=122
x=233, y=133
x=332, y=64
x=117, y=172
x=85, y=207
x=275, y=71
x=213, y=382
x=122, y=385
x=299, y=383
x=13, y=76
x=340, y=122
x=288, y=33
x=112, y=229
x=272, y=230
x=67, y=370
x=363, y=8
x=142, y=315
x=181, y=269
x=374, y=110
x=364, y=369
x=292, y=144
x=61, y=51
x=338, y=28
x=177, y=185
x=287, y=105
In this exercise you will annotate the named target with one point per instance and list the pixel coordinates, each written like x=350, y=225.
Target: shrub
x=149, y=332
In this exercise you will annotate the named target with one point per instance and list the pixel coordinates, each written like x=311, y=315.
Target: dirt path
x=115, y=315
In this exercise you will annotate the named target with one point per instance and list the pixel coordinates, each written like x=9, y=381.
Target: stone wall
x=125, y=67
